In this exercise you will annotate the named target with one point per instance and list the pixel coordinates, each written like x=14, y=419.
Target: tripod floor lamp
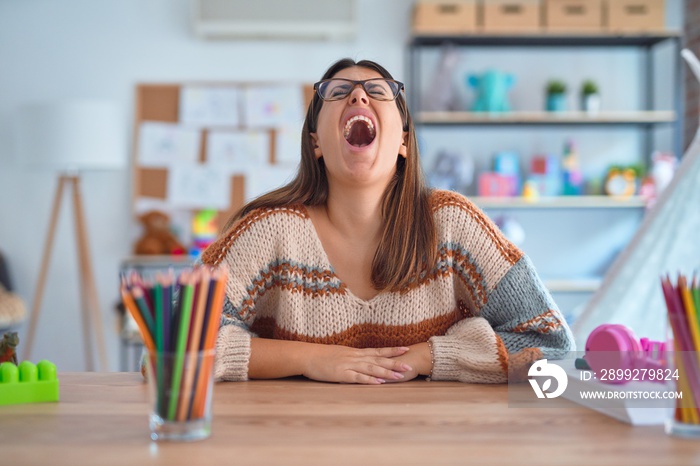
x=70, y=139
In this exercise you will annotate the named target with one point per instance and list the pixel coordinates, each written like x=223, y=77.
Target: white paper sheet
x=288, y=145
x=210, y=106
x=199, y=186
x=267, y=178
x=274, y=106
x=166, y=144
x=237, y=150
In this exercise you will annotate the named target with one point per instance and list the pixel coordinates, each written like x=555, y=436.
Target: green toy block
x=28, y=383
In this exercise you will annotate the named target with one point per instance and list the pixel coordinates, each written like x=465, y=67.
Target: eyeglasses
x=377, y=88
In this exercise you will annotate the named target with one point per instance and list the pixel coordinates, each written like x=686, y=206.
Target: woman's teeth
x=359, y=131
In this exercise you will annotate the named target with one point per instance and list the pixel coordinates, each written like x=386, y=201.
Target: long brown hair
x=408, y=244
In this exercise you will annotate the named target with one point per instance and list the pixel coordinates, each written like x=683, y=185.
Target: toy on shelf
x=8, y=347
x=621, y=181
x=493, y=184
x=441, y=96
x=504, y=180
x=28, y=382
x=157, y=238
x=545, y=175
x=451, y=171
x=663, y=167
x=572, y=178
x=204, y=230
x=491, y=91
x=507, y=164
x=530, y=191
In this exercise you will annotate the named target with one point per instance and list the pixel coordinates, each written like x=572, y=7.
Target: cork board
x=160, y=103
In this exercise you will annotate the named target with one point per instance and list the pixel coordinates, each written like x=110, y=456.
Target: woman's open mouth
x=359, y=131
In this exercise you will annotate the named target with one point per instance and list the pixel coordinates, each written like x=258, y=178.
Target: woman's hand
x=419, y=359
x=332, y=363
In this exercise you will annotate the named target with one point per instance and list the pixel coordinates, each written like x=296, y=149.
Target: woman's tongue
x=359, y=135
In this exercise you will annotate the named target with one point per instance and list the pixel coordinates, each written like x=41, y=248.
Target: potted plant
x=590, y=98
x=556, y=96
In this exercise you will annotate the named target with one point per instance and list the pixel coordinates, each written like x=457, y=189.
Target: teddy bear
x=157, y=238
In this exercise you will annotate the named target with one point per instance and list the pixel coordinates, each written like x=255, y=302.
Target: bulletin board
x=187, y=138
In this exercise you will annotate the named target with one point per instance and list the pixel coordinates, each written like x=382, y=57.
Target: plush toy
x=157, y=238
x=491, y=91
x=662, y=170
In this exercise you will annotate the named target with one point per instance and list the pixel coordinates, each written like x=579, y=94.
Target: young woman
x=357, y=272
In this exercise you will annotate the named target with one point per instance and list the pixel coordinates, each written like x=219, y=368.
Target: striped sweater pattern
x=482, y=306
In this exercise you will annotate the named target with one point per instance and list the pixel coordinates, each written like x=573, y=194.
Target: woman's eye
x=338, y=91
x=377, y=89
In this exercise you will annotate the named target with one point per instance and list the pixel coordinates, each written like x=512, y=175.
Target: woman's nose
x=358, y=95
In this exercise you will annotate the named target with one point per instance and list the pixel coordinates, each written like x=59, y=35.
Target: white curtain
x=667, y=242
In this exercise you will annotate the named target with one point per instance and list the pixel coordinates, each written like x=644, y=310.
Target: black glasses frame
x=399, y=88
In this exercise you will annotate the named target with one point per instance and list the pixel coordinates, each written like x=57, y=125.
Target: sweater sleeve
x=232, y=346
x=519, y=324
x=245, y=251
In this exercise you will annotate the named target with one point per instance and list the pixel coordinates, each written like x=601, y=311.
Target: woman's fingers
x=378, y=370
x=390, y=352
x=349, y=365
x=392, y=364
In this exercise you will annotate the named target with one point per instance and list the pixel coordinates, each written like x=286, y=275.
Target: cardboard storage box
x=635, y=15
x=574, y=15
x=512, y=16
x=445, y=17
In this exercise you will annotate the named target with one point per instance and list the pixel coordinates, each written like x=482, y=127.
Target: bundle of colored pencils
x=179, y=320
x=683, y=304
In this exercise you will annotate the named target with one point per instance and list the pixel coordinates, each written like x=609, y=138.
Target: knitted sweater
x=483, y=307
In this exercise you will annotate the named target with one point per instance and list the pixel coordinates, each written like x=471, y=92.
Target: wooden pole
x=89, y=302
x=48, y=246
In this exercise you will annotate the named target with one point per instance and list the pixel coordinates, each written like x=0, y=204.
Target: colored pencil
x=138, y=294
x=131, y=306
x=213, y=321
x=178, y=318
x=193, y=344
x=682, y=305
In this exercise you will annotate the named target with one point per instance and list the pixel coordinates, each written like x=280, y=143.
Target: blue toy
x=507, y=164
x=491, y=91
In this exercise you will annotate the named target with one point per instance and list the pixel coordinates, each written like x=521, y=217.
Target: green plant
x=556, y=86
x=589, y=87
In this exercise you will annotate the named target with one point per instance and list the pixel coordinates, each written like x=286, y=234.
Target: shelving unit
x=560, y=202
x=650, y=117
x=646, y=118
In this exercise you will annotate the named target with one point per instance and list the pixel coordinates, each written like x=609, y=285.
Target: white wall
x=75, y=49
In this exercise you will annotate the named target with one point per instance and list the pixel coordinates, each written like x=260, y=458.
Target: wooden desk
x=102, y=418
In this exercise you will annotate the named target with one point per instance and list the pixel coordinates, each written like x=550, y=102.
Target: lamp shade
x=68, y=136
